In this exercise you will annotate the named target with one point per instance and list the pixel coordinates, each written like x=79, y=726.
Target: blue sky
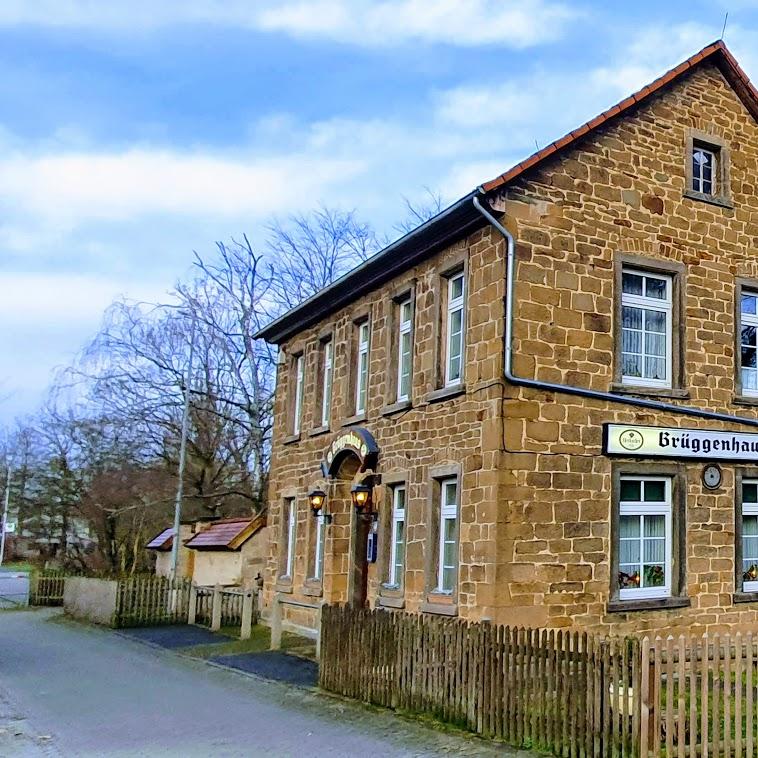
x=132, y=133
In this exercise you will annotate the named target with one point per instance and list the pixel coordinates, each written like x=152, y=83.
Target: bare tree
x=307, y=253
x=420, y=211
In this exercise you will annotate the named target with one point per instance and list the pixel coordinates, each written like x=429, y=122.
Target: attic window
x=707, y=168
x=704, y=162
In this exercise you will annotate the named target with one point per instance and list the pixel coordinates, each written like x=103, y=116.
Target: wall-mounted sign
x=359, y=442
x=666, y=442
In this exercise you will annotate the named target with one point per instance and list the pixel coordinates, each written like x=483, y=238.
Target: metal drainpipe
x=569, y=389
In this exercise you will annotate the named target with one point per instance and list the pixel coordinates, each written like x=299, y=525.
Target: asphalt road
x=71, y=690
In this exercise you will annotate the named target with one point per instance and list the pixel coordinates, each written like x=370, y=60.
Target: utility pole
x=182, y=458
x=4, y=520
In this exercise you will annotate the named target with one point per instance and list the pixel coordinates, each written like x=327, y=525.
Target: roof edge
x=717, y=50
x=417, y=244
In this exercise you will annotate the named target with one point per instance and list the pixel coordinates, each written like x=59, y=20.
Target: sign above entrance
x=666, y=442
x=358, y=442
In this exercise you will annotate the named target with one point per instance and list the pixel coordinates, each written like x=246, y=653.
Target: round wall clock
x=712, y=476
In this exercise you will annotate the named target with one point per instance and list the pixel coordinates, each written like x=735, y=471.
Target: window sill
x=356, y=419
x=283, y=584
x=720, y=200
x=676, y=393
x=400, y=405
x=650, y=604
x=390, y=601
x=439, y=608
x=445, y=393
x=291, y=438
x=748, y=400
x=745, y=597
x=318, y=430
x=313, y=588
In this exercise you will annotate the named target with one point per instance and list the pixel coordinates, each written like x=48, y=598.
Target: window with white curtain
x=749, y=343
x=646, y=308
x=326, y=389
x=645, y=537
x=299, y=381
x=750, y=535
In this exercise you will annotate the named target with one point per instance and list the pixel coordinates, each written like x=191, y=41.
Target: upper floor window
x=297, y=409
x=405, y=349
x=748, y=342
x=397, y=537
x=644, y=537
x=454, y=329
x=707, y=168
x=704, y=170
x=326, y=387
x=646, y=339
x=447, y=560
x=361, y=373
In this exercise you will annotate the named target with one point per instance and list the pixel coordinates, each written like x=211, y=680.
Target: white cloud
x=75, y=186
x=355, y=22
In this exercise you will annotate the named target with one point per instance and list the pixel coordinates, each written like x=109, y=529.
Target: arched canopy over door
x=358, y=442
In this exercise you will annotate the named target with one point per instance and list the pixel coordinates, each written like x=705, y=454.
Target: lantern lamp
x=316, y=498
x=361, y=495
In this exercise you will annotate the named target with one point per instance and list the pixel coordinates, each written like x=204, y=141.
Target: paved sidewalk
x=82, y=691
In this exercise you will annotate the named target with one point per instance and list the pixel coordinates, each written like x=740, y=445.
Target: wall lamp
x=317, y=499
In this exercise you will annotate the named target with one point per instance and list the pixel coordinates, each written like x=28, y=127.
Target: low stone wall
x=91, y=599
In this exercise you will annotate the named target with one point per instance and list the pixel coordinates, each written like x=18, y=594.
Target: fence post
x=276, y=623
x=319, y=616
x=192, y=611
x=247, y=614
x=216, y=611
x=648, y=738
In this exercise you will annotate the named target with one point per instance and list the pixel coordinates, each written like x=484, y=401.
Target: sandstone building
x=571, y=440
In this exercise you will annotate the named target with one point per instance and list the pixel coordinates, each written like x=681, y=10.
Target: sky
x=134, y=133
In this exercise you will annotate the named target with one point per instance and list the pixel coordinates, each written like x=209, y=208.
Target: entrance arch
x=347, y=458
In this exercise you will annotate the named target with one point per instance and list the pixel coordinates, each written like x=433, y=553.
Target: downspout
x=568, y=389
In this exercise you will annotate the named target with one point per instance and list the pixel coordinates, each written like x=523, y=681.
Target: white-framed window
x=326, y=397
x=646, y=308
x=749, y=343
x=750, y=535
x=318, y=547
x=397, y=537
x=703, y=170
x=404, y=349
x=361, y=383
x=299, y=381
x=456, y=287
x=447, y=562
x=289, y=536
x=645, y=537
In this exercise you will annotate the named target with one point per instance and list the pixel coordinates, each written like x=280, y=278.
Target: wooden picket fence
x=569, y=693
x=232, y=600
x=565, y=693
x=47, y=587
x=151, y=600
x=704, y=694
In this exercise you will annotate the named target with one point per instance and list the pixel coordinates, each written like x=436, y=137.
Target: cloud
x=78, y=186
x=354, y=22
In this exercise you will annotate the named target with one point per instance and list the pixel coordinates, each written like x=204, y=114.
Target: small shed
x=162, y=545
x=229, y=552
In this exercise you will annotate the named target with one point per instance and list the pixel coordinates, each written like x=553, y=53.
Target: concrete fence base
x=90, y=599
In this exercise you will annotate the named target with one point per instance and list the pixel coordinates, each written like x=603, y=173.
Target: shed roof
x=227, y=534
x=163, y=541
x=461, y=218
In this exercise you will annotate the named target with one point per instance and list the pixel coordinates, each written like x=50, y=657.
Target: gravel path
x=71, y=690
